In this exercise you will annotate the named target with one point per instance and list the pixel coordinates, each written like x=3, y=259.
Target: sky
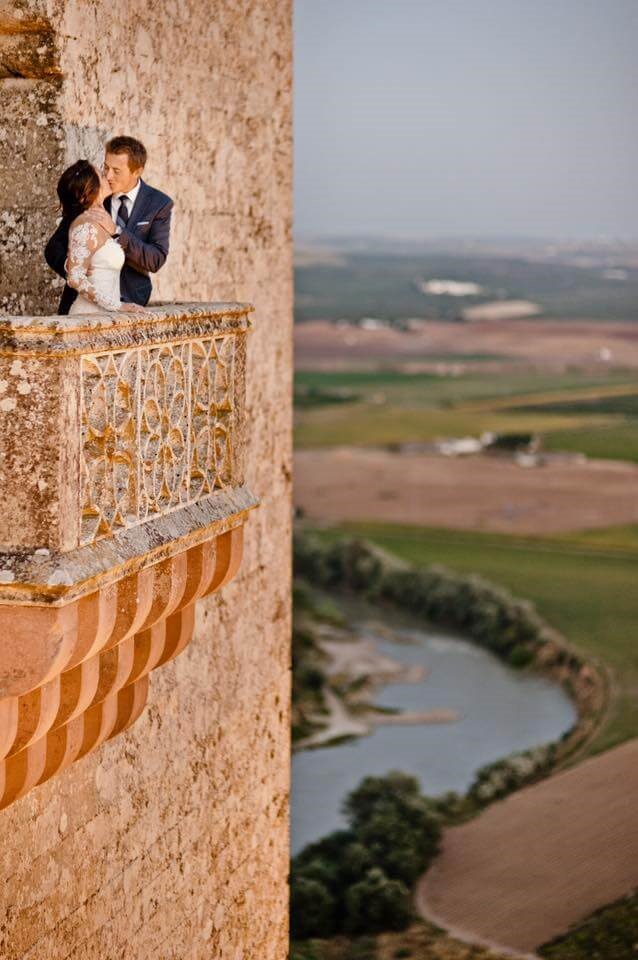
x=431, y=118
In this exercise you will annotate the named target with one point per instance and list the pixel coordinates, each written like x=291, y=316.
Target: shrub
x=311, y=678
x=395, y=823
x=507, y=626
x=362, y=802
x=337, y=860
x=611, y=932
x=497, y=779
x=377, y=903
x=312, y=908
x=302, y=598
x=520, y=656
x=356, y=860
x=304, y=951
x=363, y=948
x=358, y=880
x=401, y=830
x=329, y=847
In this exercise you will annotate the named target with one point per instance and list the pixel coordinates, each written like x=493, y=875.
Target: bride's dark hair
x=78, y=187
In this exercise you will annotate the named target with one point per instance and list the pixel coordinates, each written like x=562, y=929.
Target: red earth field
x=542, y=859
x=320, y=345
x=473, y=493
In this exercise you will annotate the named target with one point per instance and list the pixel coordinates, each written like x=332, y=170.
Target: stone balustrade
x=123, y=502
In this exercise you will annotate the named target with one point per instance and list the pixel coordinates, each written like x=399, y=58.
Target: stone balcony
x=122, y=472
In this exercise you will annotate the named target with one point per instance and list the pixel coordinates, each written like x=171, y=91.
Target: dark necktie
x=122, y=213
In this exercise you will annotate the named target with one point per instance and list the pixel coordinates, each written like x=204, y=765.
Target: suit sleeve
x=56, y=249
x=150, y=254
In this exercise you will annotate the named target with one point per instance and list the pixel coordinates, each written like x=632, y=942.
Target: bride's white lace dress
x=93, y=265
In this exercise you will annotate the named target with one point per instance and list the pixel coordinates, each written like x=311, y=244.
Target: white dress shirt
x=116, y=201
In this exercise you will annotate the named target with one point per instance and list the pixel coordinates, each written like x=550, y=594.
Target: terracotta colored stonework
x=96, y=595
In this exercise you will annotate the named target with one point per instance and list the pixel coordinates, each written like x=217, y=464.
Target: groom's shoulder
x=157, y=197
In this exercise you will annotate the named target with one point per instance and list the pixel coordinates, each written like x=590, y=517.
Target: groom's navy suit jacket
x=144, y=241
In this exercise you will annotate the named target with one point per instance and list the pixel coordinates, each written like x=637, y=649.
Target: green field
x=612, y=442
x=362, y=425
x=386, y=285
x=571, y=412
x=585, y=586
x=432, y=389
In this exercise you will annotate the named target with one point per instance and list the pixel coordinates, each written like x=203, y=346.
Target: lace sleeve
x=83, y=242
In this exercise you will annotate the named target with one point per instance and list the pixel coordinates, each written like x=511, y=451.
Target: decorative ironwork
x=156, y=431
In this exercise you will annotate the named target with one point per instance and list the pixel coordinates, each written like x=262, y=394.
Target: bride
x=94, y=258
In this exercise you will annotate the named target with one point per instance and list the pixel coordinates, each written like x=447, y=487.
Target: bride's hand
x=131, y=308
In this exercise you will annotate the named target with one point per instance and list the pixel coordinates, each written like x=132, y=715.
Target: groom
x=142, y=217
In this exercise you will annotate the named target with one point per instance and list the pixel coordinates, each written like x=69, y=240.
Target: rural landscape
x=465, y=699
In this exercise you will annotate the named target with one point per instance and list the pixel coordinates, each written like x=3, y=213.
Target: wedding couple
x=114, y=232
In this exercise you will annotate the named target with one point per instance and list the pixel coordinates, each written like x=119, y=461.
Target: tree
x=312, y=908
x=394, y=787
x=399, y=827
x=377, y=903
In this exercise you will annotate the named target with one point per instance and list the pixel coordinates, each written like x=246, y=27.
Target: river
x=502, y=711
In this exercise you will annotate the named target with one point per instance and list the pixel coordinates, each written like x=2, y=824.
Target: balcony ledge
x=54, y=335
x=122, y=464
x=41, y=577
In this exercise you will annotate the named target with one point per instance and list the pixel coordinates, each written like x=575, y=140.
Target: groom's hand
x=104, y=219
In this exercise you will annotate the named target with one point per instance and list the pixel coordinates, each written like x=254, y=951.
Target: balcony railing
x=122, y=474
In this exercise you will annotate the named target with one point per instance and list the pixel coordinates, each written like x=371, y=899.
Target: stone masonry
x=170, y=841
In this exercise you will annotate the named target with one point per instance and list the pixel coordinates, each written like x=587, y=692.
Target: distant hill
x=407, y=279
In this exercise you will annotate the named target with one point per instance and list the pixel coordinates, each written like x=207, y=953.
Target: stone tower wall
x=170, y=841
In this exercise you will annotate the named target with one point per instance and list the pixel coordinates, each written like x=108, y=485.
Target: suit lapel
x=138, y=206
x=140, y=203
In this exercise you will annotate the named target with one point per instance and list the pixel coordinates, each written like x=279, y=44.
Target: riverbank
x=487, y=614
x=501, y=711
x=583, y=586
x=355, y=667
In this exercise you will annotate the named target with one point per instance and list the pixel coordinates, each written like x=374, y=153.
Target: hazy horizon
x=451, y=119
x=532, y=239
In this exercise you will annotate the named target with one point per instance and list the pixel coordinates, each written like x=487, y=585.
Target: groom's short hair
x=134, y=149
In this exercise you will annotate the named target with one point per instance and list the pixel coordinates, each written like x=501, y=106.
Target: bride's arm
x=84, y=240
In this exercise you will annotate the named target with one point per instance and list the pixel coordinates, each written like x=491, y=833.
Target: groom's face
x=119, y=174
